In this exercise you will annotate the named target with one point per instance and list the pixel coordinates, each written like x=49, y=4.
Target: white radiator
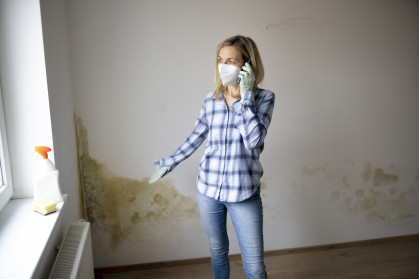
x=75, y=258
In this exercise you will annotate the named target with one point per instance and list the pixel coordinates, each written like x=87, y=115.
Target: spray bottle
x=47, y=186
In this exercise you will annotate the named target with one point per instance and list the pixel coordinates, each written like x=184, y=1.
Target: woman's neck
x=233, y=91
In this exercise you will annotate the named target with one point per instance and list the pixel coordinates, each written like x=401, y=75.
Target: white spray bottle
x=46, y=182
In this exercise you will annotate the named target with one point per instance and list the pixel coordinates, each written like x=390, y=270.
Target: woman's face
x=231, y=56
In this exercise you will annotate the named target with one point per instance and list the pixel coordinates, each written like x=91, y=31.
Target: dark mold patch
x=82, y=211
x=123, y=207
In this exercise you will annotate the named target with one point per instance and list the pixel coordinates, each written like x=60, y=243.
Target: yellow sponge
x=44, y=206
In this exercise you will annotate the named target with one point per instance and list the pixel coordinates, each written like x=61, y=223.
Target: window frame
x=6, y=185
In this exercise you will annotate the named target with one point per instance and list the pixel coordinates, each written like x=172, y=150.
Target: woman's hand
x=247, y=79
x=157, y=174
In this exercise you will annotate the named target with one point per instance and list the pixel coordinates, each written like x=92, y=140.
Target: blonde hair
x=248, y=49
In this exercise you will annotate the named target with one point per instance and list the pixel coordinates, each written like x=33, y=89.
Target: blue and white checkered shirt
x=230, y=170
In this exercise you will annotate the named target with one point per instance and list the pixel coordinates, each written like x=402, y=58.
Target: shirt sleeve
x=254, y=119
x=189, y=146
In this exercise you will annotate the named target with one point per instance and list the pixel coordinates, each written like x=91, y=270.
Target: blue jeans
x=247, y=219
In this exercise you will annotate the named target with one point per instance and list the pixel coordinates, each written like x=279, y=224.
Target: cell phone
x=250, y=63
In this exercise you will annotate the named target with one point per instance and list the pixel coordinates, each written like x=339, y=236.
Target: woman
x=235, y=117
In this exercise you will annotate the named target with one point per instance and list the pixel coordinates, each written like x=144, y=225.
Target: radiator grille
x=72, y=251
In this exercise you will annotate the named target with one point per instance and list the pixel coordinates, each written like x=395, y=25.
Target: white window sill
x=24, y=234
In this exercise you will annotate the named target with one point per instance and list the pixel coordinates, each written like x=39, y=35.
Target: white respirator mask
x=229, y=74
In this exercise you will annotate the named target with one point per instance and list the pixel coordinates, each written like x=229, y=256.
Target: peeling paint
x=124, y=207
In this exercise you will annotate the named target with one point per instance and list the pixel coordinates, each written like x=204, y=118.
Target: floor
x=385, y=260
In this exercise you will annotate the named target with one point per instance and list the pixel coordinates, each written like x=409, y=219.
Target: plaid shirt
x=230, y=170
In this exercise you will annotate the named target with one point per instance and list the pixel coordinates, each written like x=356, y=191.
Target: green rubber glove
x=157, y=174
x=247, y=79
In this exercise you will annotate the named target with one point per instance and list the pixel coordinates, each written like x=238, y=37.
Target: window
x=6, y=189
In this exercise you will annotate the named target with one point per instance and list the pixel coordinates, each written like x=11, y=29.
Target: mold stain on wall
x=126, y=208
x=380, y=178
x=82, y=211
x=383, y=194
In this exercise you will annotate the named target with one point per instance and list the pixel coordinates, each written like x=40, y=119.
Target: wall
x=36, y=84
x=61, y=98
x=60, y=92
x=24, y=87
x=341, y=158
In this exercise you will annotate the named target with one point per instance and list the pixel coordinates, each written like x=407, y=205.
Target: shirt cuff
x=248, y=98
x=161, y=163
x=247, y=106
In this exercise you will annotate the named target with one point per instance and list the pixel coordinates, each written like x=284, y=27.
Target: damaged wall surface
x=341, y=157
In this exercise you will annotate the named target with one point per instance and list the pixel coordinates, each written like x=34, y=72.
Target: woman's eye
x=231, y=61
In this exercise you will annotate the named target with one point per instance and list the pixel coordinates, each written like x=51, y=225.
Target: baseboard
x=116, y=269
x=342, y=245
